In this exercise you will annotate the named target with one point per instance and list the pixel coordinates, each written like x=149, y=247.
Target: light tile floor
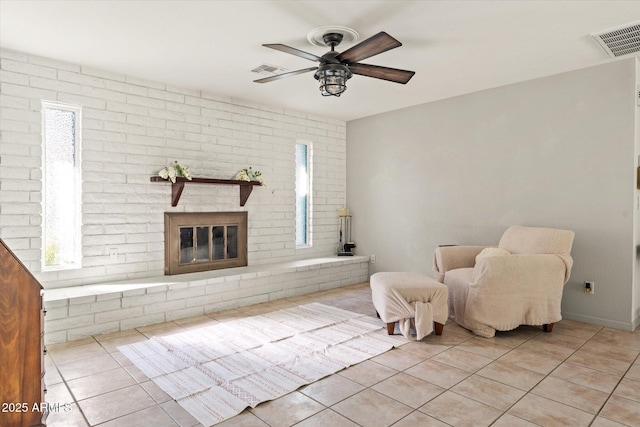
x=578, y=375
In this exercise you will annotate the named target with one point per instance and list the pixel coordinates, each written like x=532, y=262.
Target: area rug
x=215, y=372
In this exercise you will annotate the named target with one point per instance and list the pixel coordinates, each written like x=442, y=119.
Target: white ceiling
x=455, y=47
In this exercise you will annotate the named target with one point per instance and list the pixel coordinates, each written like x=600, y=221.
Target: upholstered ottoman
x=410, y=298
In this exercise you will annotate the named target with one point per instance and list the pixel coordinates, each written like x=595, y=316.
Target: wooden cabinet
x=21, y=344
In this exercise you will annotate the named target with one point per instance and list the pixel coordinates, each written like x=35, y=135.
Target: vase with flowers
x=250, y=175
x=175, y=170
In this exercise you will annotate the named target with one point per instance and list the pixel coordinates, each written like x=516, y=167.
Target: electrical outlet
x=372, y=259
x=589, y=288
x=113, y=254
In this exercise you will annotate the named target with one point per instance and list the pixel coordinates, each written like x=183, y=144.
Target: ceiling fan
x=336, y=68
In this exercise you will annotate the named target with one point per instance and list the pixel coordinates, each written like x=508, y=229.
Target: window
x=61, y=248
x=303, y=187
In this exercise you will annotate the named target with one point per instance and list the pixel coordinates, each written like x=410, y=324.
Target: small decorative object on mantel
x=175, y=170
x=250, y=175
x=345, y=245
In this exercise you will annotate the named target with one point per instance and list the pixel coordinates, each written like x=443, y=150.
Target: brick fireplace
x=201, y=241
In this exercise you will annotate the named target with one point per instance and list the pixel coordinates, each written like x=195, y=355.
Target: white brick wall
x=81, y=311
x=131, y=129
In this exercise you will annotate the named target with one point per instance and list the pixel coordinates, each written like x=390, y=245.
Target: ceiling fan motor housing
x=332, y=39
x=329, y=68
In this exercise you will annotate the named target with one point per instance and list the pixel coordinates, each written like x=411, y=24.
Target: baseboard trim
x=630, y=326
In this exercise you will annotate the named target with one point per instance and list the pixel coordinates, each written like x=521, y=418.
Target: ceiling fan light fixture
x=333, y=79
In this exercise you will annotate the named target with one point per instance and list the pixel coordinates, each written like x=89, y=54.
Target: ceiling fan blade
x=384, y=73
x=293, y=51
x=283, y=75
x=374, y=45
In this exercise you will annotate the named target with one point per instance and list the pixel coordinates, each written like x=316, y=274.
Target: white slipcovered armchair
x=518, y=283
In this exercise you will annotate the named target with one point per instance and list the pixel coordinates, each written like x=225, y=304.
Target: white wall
x=557, y=152
x=132, y=128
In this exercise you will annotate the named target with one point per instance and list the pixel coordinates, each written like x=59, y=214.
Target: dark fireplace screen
x=204, y=241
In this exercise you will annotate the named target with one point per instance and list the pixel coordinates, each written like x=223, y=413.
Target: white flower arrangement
x=176, y=170
x=250, y=175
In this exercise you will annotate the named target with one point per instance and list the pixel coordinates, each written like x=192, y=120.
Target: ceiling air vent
x=269, y=70
x=620, y=41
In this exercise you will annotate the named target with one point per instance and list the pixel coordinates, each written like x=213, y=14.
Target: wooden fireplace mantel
x=176, y=187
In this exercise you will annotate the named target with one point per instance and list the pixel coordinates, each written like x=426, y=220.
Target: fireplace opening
x=204, y=241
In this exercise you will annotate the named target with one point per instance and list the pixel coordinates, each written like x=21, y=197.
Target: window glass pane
x=232, y=241
x=186, y=245
x=218, y=242
x=302, y=193
x=61, y=189
x=202, y=244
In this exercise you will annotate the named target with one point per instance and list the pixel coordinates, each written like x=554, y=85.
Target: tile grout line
x=614, y=389
x=541, y=380
x=64, y=381
x=504, y=412
x=545, y=376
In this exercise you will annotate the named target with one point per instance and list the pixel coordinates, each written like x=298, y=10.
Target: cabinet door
x=21, y=342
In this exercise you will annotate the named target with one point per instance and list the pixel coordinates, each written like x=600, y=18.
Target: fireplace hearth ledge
x=80, y=311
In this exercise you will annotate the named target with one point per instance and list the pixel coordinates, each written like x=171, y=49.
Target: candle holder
x=345, y=243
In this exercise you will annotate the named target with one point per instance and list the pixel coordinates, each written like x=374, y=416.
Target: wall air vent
x=620, y=41
x=269, y=70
